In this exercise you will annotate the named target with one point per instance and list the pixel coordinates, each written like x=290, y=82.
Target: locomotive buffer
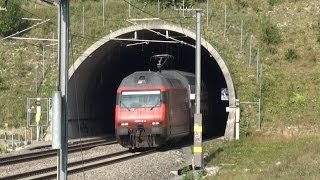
x=197, y=139
x=162, y=59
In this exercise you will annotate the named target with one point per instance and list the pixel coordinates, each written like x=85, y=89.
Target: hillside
x=285, y=32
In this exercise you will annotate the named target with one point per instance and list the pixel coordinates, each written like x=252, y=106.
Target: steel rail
x=79, y=166
x=50, y=153
x=73, y=142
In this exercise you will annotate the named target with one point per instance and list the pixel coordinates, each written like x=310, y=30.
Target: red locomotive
x=154, y=107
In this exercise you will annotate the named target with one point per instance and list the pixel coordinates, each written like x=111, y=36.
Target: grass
x=266, y=157
x=2, y=149
x=290, y=66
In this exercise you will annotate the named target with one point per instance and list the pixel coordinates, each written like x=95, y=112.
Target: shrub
x=187, y=3
x=298, y=99
x=272, y=2
x=2, y=149
x=291, y=54
x=242, y=3
x=270, y=33
x=10, y=20
x=3, y=85
x=244, y=127
x=318, y=29
x=188, y=173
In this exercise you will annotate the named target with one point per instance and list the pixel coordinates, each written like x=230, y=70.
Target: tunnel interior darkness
x=92, y=87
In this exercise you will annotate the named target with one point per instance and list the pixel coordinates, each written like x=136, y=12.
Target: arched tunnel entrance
x=95, y=76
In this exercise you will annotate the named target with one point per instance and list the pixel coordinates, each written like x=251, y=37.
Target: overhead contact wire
x=77, y=109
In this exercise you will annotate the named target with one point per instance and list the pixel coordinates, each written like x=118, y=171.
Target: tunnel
x=97, y=73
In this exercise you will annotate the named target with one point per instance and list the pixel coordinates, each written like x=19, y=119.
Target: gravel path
x=153, y=166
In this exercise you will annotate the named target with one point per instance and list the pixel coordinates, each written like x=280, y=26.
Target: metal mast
x=197, y=148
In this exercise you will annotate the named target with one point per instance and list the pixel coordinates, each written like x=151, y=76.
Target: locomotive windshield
x=140, y=99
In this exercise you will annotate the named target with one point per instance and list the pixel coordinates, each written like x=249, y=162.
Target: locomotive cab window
x=140, y=99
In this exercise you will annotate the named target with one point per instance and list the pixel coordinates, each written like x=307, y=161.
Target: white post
x=250, y=51
x=5, y=139
x=158, y=9
x=225, y=20
x=207, y=12
x=258, y=53
x=129, y=11
x=31, y=134
x=260, y=99
x=183, y=8
x=53, y=54
x=36, y=79
x=83, y=20
x=25, y=135
x=103, y=12
x=237, y=119
x=241, y=40
x=38, y=131
x=12, y=138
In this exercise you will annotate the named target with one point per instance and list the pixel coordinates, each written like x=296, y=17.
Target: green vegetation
x=274, y=33
x=187, y=3
x=266, y=157
x=2, y=150
x=272, y=2
x=270, y=32
x=10, y=20
x=290, y=89
x=3, y=85
x=242, y=3
x=188, y=174
x=298, y=99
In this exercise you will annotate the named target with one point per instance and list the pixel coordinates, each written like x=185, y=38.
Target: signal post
x=38, y=116
x=197, y=129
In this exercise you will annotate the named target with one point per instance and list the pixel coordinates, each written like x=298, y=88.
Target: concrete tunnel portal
x=97, y=73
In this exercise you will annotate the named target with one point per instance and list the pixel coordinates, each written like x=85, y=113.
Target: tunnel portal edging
x=230, y=127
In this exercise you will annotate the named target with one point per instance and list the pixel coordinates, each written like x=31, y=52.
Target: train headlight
x=155, y=123
x=124, y=124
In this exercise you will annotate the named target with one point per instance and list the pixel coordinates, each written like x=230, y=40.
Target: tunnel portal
x=97, y=73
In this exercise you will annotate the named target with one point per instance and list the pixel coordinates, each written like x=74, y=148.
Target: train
x=153, y=108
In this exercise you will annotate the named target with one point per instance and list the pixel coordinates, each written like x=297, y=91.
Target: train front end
x=140, y=116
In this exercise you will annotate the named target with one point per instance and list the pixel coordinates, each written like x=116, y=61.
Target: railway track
x=79, y=166
x=4, y=161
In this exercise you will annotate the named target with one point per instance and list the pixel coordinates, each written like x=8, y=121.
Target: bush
x=242, y=3
x=291, y=55
x=10, y=20
x=270, y=33
x=187, y=3
x=272, y=2
x=188, y=173
x=2, y=149
x=3, y=85
x=298, y=99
